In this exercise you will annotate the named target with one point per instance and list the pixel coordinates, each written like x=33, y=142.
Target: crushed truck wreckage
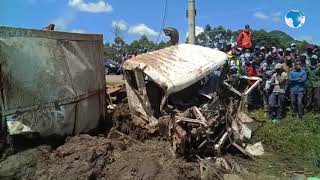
x=184, y=93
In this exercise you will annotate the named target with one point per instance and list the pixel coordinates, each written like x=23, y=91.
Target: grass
x=289, y=144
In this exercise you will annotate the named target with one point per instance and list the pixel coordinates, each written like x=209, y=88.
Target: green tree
x=119, y=42
x=142, y=45
x=146, y=44
x=302, y=45
x=263, y=38
x=110, y=52
x=134, y=46
x=163, y=44
x=217, y=37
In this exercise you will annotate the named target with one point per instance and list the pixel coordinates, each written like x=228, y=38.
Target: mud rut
x=128, y=155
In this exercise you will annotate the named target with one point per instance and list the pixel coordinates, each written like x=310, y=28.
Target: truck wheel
x=106, y=70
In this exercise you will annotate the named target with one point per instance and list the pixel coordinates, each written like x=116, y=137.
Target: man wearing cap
x=308, y=53
x=293, y=48
x=275, y=56
x=268, y=65
x=263, y=50
x=278, y=82
x=244, y=39
x=281, y=56
x=312, y=99
x=297, y=79
x=246, y=56
x=288, y=52
x=256, y=52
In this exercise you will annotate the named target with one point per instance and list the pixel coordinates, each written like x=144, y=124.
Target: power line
x=163, y=20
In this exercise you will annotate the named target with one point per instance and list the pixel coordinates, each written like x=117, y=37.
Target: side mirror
x=173, y=34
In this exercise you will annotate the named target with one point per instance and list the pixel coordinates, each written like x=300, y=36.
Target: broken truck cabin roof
x=177, y=67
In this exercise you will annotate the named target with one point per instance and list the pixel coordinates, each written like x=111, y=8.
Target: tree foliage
x=219, y=37
x=118, y=47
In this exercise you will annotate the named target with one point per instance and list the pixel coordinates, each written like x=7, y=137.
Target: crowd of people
x=290, y=78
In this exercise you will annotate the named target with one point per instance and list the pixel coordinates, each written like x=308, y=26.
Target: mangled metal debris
x=184, y=93
x=215, y=168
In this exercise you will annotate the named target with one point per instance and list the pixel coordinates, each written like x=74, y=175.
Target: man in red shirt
x=253, y=100
x=244, y=39
x=250, y=72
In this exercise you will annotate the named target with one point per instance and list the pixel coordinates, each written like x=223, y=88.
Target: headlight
x=111, y=65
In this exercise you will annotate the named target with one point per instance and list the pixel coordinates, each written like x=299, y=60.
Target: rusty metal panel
x=49, y=79
x=177, y=67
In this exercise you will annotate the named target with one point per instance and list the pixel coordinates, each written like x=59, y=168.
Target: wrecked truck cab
x=151, y=78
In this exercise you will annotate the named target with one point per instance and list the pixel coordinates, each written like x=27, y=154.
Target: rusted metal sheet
x=53, y=82
x=177, y=67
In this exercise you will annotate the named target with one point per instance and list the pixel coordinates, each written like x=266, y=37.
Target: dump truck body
x=52, y=83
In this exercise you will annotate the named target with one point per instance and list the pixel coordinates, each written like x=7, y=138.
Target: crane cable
x=163, y=20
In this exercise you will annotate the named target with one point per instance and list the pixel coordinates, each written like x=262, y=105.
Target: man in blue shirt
x=297, y=80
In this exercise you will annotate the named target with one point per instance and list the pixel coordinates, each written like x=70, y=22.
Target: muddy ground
x=109, y=155
x=123, y=152
x=89, y=157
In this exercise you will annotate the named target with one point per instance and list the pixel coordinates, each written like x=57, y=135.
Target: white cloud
x=62, y=23
x=199, y=30
x=261, y=15
x=275, y=16
x=121, y=24
x=276, y=19
x=78, y=31
x=276, y=13
x=142, y=29
x=96, y=7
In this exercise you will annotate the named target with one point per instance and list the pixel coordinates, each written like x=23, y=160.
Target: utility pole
x=191, y=13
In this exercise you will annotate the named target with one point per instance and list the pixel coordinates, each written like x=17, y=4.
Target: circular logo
x=295, y=19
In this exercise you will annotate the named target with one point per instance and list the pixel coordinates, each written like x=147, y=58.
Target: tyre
x=106, y=70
